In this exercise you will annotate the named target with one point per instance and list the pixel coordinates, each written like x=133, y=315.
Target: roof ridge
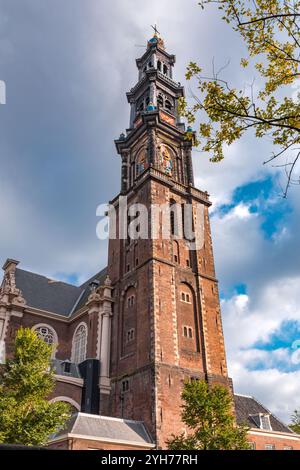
x=110, y=418
x=242, y=395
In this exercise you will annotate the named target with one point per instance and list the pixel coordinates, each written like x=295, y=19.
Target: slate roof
x=101, y=276
x=107, y=428
x=54, y=296
x=245, y=406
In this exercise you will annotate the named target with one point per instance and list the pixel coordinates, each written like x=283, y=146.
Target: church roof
x=107, y=429
x=53, y=296
x=100, y=276
x=248, y=407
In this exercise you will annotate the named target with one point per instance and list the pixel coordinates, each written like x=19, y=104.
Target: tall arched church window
x=49, y=335
x=79, y=344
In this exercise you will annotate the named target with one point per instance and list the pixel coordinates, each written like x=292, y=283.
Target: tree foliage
x=26, y=417
x=295, y=426
x=270, y=30
x=207, y=413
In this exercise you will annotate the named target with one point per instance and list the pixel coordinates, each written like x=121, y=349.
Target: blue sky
x=67, y=66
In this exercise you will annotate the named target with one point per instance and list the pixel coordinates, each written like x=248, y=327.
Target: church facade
x=125, y=341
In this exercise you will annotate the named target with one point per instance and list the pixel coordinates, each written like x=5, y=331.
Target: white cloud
x=277, y=390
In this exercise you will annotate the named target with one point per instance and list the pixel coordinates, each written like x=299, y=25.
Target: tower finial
x=156, y=32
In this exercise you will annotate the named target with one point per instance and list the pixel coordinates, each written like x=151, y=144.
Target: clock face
x=169, y=119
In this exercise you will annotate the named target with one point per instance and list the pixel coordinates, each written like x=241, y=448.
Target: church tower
x=166, y=325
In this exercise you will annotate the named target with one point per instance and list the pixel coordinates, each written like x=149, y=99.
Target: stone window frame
x=75, y=356
x=54, y=343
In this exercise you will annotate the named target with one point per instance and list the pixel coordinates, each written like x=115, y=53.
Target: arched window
x=176, y=258
x=49, y=335
x=168, y=105
x=79, y=344
x=165, y=70
x=159, y=65
x=160, y=100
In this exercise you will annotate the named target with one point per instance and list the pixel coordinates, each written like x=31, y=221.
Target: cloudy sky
x=67, y=65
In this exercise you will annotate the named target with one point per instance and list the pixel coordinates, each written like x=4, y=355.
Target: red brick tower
x=166, y=322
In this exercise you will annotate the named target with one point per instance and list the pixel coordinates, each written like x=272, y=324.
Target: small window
x=188, y=263
x=128, y=268
x=187, y=297
x=159, y=65
x=190, y=332
x=130, y=335
x=136, y=262
x=185, y=331
x=165, y=69
x=183, y=296
x=125, y=386
x=176, y=258
x=269, y=447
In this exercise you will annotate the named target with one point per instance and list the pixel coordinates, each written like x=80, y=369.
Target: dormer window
x=262, y=421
